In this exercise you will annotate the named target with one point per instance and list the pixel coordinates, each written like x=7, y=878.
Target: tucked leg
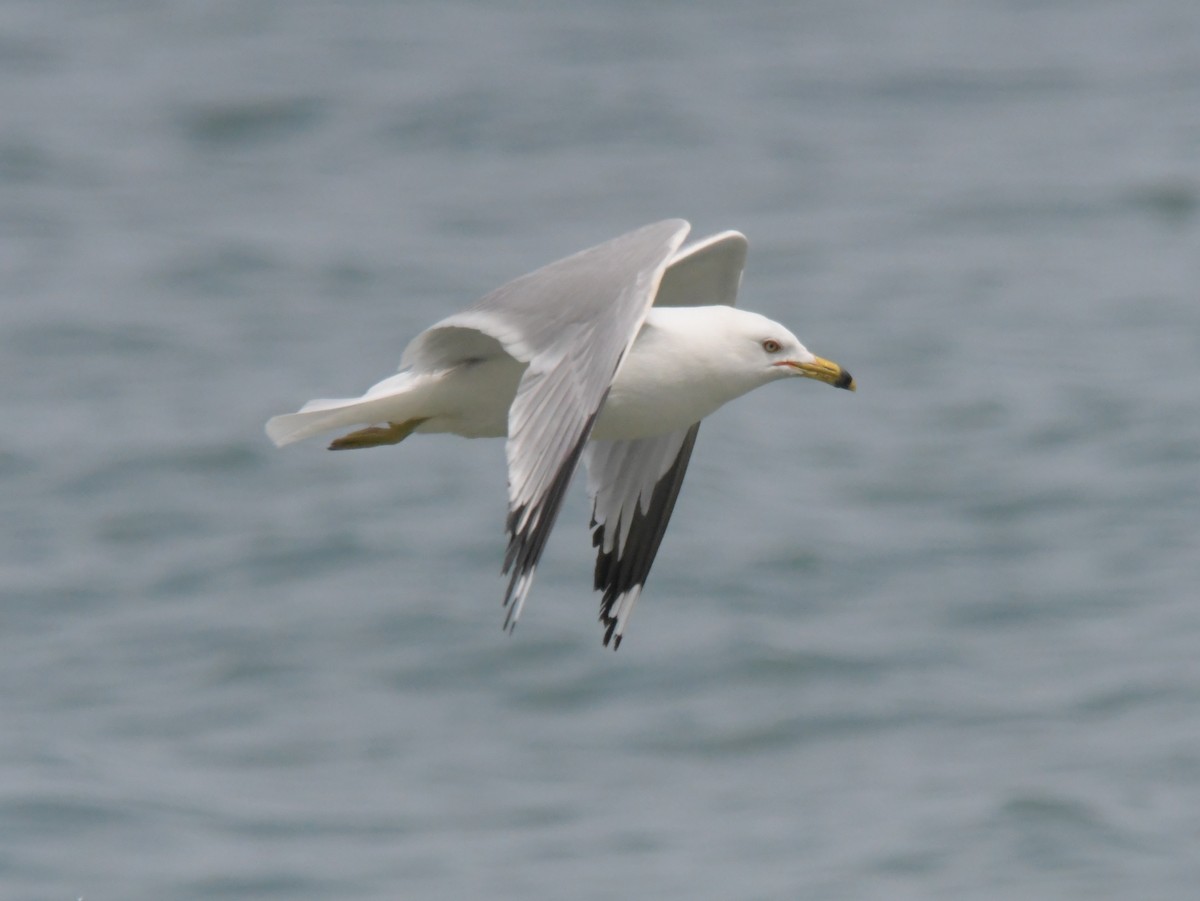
x=376, y=436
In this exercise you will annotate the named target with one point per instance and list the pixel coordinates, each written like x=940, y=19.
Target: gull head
x=689, y=361
x=757, y=345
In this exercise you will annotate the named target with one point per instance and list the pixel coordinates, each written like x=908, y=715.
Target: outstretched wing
x=705, y=272
x=572, y=321
x=634, y=484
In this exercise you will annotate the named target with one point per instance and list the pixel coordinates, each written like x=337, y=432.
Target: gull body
x=685, y=363
x=612, y=355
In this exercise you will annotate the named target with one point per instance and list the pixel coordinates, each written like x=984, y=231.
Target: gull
x=612, y=355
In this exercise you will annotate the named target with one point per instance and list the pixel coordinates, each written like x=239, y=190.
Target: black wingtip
x=610, y=639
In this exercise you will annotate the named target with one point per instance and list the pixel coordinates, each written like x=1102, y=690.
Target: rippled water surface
x=939, y=639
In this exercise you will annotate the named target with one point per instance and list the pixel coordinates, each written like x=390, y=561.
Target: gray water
x=939, y=639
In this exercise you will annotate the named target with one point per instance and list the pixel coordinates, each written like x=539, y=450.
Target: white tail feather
x=319, y=416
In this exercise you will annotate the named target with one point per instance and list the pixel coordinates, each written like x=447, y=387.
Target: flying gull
x=612, y=355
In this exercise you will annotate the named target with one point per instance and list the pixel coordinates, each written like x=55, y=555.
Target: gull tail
x=389, y=401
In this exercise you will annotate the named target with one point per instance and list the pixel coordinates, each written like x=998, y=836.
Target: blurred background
x=939, y=639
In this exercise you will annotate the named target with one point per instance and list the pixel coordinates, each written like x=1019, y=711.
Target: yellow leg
x=375, y=436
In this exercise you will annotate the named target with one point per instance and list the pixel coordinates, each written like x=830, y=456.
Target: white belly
x=646, y=398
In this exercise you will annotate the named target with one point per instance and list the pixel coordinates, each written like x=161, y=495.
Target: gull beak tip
x=825, y=371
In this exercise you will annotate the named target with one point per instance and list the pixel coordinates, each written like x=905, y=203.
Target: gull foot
x=376, y=436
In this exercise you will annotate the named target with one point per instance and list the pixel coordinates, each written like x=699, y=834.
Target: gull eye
x=771, y=346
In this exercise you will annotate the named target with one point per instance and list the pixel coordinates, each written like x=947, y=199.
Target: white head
x=701, y=358
x=747, y=348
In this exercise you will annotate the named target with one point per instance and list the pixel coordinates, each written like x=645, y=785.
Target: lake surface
x=938, y=639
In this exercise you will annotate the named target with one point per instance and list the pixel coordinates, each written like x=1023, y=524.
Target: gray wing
x=572, y=321
x=634, y=484
x=705, y=272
